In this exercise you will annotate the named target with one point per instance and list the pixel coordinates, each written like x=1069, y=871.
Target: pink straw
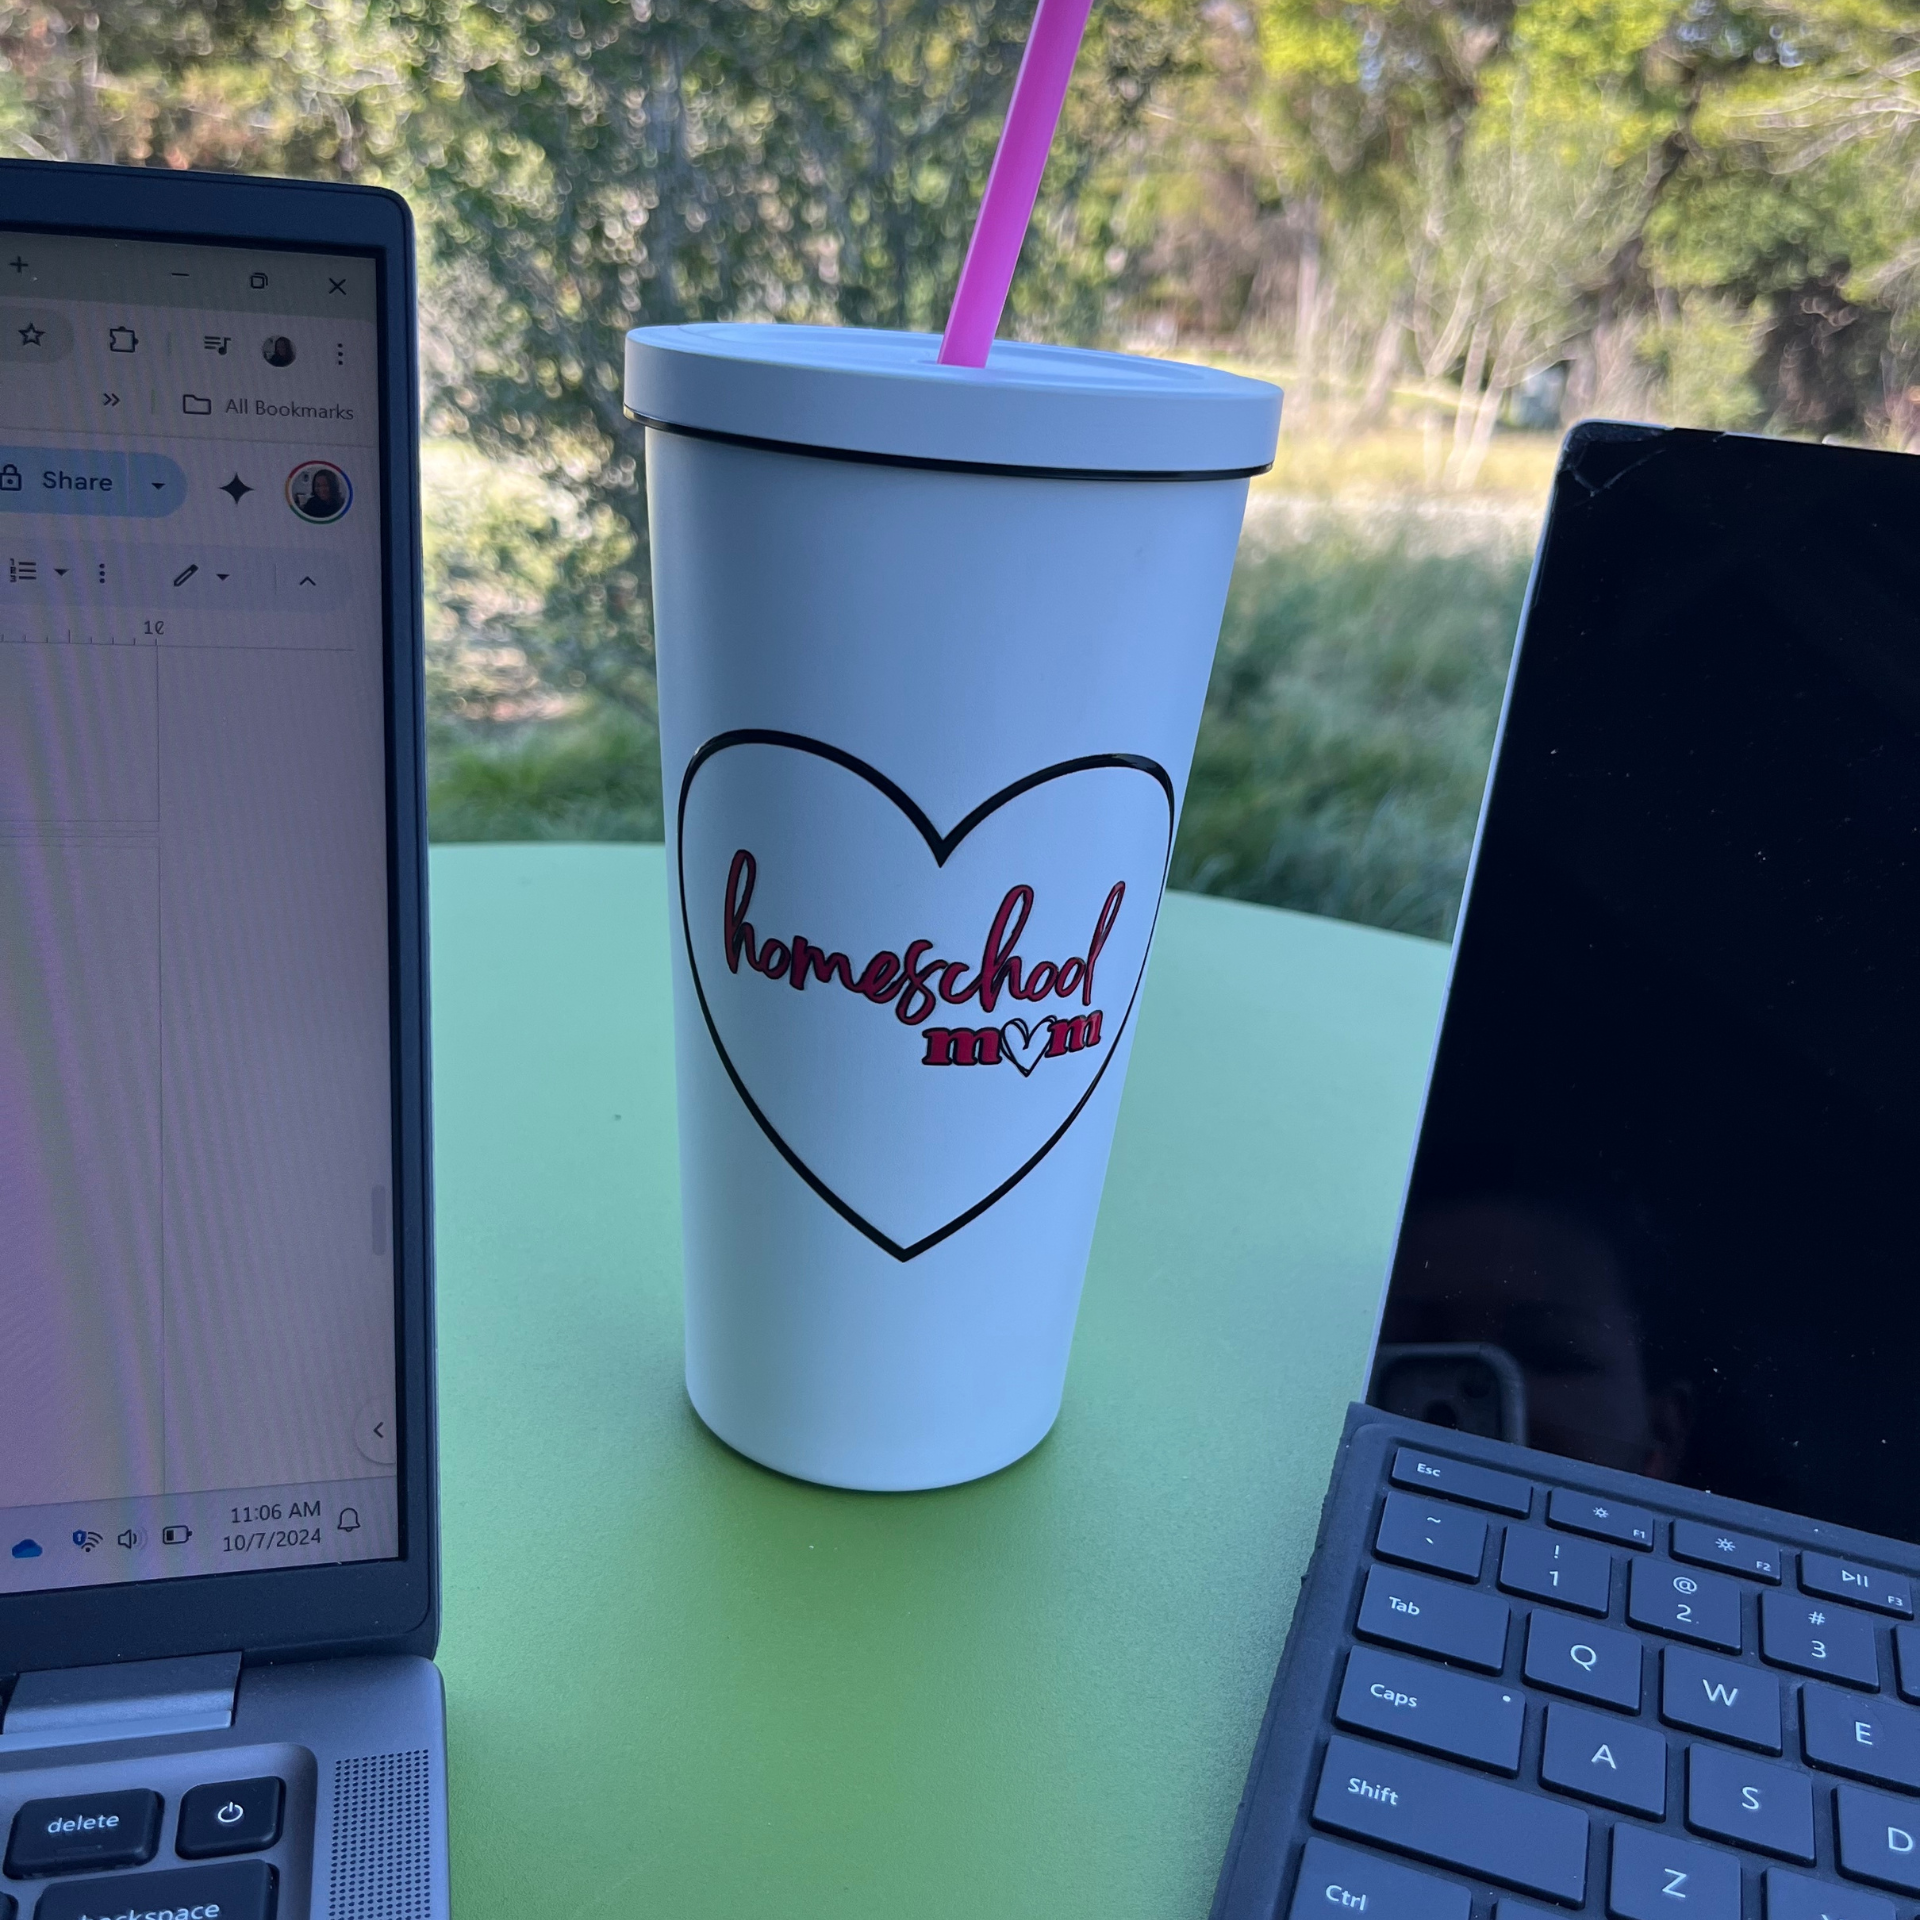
x=1020, y=160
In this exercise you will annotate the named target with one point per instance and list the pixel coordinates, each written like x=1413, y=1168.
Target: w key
x=1715, y=1696
x=1702, y=1607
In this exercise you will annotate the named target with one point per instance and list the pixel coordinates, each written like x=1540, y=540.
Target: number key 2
x=1816, y=1636
x=1701, y=1607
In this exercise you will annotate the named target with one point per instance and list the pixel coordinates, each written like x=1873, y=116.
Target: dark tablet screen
x=1665, y=1209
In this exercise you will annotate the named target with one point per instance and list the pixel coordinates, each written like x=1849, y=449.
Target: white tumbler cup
x=932, y=648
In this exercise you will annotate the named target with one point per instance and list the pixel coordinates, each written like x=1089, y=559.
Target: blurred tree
x=315, y=87
x=596, y=165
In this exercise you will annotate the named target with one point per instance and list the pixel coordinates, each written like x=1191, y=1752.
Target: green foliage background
x=1437, y=218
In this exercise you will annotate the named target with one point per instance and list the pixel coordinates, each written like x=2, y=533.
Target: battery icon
x=176, y=1536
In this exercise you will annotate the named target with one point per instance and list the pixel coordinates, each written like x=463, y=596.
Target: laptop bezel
x=373, y=1606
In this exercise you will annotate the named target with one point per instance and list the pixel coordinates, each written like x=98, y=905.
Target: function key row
x=1822, y=1574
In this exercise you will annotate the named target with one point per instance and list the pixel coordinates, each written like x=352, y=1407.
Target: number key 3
x=1817, y=1636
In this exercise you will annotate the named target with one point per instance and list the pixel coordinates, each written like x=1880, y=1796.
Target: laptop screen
x=197, y=1362
x=1662, y=1211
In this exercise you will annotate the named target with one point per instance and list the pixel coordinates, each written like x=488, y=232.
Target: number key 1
x=1574, y=1573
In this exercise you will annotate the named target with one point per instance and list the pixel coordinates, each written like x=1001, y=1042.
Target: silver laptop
x=218, y=1591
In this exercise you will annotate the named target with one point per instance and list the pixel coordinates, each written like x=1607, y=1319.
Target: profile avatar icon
x=319, y=491
x=277, y=350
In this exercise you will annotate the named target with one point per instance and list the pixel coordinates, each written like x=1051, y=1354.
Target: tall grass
x=1340, y=763
x=1349, y=725
x=596, y=777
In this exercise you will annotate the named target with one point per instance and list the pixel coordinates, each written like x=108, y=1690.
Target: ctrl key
x=243, y=1890
x=82, y=1833
x=1337, y=1881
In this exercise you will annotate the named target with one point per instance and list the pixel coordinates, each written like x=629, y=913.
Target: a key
x=1611, y=1761
x=1458, y=1819
x=1429, y=1533
x=1338, y=1883
x=1867, y=1738
x=1459, y=1480
x=1750, y=1801
x=1575, y=1573
x=1604, y=1519
x=1715, y=1696
x=1596, y=1663
x=82, y=1833
x=1879, y=1838
x=1691, y=1606
x=1431, y=1616
x=237, y=1890
x=1654, y=1876
x=1865, y=1586
x=1708, y=1546
x=1426, y=1706
x=1818, y=1637
x=1792, y=1896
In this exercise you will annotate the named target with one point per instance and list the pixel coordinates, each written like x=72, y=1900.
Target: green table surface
x=679, y=1684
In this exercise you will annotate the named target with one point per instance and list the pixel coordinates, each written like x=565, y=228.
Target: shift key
x=1434, y=1616
x=1456, y=1819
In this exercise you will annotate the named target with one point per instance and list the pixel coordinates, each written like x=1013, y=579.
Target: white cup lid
x=1031, y=409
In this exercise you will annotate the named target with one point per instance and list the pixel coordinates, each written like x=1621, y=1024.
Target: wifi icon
x=85, y=1539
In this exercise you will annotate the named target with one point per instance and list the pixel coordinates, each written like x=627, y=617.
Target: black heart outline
x=941, y=846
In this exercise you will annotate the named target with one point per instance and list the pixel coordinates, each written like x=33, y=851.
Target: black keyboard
x=1517, y=1686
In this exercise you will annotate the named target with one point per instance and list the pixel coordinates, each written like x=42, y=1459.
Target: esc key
x=1460, y=1480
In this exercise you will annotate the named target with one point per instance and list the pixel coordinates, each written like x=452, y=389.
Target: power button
x=231, y=1816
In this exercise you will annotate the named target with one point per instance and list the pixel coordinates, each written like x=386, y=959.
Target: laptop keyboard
x=86, y=1834
x=1574, y=1703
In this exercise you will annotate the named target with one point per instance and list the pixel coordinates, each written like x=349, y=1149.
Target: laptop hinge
x=68, y=1706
